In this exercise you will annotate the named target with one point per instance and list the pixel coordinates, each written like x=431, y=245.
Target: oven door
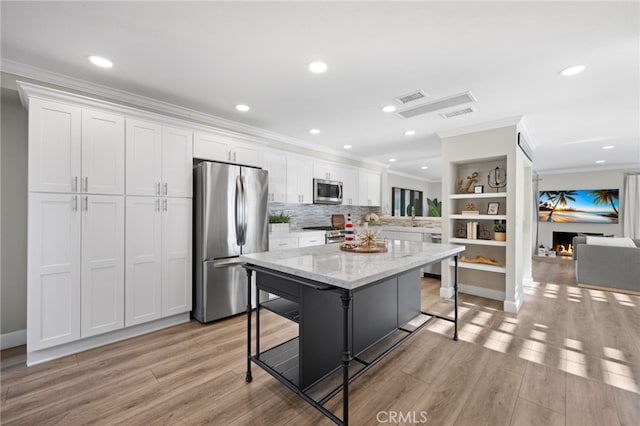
x=327, y=192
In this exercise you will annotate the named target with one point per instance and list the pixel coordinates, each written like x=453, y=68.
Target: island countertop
x=330, y=265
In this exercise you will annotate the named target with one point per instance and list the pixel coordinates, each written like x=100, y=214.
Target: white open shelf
x=483, y=195
x=478, y=216
x=478, y=242
x=480, y=267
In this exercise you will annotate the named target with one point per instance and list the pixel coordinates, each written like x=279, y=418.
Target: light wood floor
x=570, y=357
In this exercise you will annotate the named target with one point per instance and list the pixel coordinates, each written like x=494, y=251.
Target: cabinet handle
x=86, y=203
x=157, y=204
x=75, y=184
x=166, y=188
x=229, y=156
x=74, y=203
x=86, y=184
x=158, y=188
x=282, y=244
x=234, y=156
x=165, y=204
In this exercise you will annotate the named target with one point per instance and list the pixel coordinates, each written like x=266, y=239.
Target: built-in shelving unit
x=481, y=267
x=482, y=195
x=479, y=216
x=478, y=242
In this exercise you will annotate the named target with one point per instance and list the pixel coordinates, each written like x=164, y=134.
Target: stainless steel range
x=332, y=235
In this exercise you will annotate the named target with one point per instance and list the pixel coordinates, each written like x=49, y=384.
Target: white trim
x=446, y=292
x=512, y=307
x=235, y=128
x=481, y=292
x=48, y=354
x=492, y=125
x=13, y=339
x=591, y=169
x=523, y=128
x=528, y=282
x=407, y=175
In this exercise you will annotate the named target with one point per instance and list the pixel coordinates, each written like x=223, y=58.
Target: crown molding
x=220, y=125
x=622, y=168
x=505, y=122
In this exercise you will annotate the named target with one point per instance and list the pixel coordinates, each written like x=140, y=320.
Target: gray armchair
x=605, y=266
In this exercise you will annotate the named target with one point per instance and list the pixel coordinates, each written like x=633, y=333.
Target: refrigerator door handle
x=239, y=211
x=244, y=211
x=225, y=263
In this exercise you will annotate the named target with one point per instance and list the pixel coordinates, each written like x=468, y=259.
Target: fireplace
x=563, y=242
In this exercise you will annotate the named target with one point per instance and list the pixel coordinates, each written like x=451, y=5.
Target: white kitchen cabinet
x=350, y=186
x=327, y=170
x=212, y=147
x=368, y=188
x=53, y=263
x=76, y=266
x=276, y=164
x=177, y=162
x=299, y=176
x=102, y=153
x=102, y=283
x=143, y=260
x=54, y=146
x=316, y=239
x=159, y=160
x=282, y=242
x=158, y=258
x=176, y=256
x=144, y=157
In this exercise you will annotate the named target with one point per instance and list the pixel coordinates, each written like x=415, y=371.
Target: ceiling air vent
x=448, y=102
x=458, y=112
x=411, y=97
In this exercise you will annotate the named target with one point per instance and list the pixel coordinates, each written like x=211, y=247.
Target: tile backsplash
x=319, y=214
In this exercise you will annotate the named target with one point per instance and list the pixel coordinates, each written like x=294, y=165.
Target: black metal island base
x=352, y=309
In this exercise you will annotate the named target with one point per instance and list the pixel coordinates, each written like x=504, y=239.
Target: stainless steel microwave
x=327, y=191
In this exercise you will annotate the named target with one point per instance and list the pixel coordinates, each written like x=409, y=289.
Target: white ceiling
x=210, y=56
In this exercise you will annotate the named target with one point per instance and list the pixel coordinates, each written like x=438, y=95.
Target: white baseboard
x=512, y=307
x=446, y=292
x=528, y=282
x=481, y=291
x=13, y=339
x=48, y=354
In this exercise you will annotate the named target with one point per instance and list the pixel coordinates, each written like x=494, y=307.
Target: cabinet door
x=102, y=294
x=281, y=243
x=102, y=153
x=373, y=189
x=363, y=188
x=210, y=147
x=53, y=282
x=276, y=165
x=247, y=155
x=177, y=162
x=326, y=170
x=144, y=158
x=54, y=146
x=143, y=284
x=299, y=180
x=350, y=186
x=176, y=256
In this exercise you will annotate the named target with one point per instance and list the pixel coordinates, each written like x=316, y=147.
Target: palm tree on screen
x=605, y=196
x=560, y=198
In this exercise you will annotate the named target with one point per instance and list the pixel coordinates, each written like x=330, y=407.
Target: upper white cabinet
x=102, y=153
x=144, y=157
x=299, y=185
x=326, y=170
x=159, y=160
x=75, y=150
x=368, y=188
x=209, y=146
x=276, y=164
x=350, y=186
x=177, y=162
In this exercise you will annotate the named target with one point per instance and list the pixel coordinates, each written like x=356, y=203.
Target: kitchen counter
x=417, y=229
x=330, y=265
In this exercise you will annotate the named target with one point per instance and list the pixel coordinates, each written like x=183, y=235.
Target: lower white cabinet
x=158, y=262
x=75, y=267
x=282, y=242
x=311, y=240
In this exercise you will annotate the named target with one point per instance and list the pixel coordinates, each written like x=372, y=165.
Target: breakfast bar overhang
x=352, y=309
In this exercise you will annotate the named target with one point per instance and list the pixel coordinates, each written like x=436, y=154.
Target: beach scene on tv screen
x=579, y=205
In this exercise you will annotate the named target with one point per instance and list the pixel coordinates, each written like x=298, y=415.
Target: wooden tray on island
x=355, y=248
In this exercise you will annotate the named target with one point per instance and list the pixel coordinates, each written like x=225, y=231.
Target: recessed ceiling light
x=424, y=167
x=314, y=131
x=410, y=132
x=392, y=160
x=600, y=161
x=242, y=107
x=572, y=70
x=608, y=147
x=101, y=62
x=317, y=67
x=388, y=108
x=347, y=147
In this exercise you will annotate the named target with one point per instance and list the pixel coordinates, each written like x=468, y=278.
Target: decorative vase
x=500, y=236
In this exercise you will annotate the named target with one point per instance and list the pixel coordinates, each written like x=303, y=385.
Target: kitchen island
x=348, y=306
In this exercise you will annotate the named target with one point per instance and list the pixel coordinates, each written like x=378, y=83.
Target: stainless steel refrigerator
x=230, y=220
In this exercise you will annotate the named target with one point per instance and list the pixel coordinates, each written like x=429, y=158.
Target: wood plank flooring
x=570, y=357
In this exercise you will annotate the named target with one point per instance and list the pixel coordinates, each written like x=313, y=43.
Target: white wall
x=429, y=189
x=611, y=179
x=13, y=191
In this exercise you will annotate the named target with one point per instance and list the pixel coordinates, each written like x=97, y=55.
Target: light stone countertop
x=330, y=265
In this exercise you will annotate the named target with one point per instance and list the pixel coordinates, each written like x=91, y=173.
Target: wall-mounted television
x=578, y=206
